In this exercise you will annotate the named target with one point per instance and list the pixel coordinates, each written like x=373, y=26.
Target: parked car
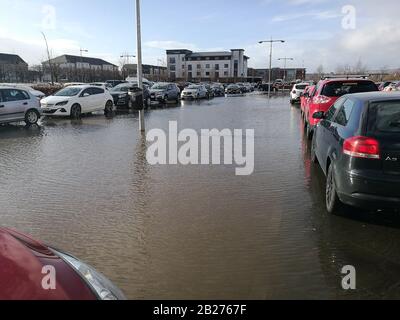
x=393, y=86
x=38, y=94
x=218, y=89
x=164, y=92
x=125, y=95
x=210, y=91
x=18, y=105
x=297, y=92
x=328, y=91
x=101, y=85
x=114, y=83
x=195, y=92
x=233, y=89
x=24, y=261
x=77, y=100
x=242, y=87
x=383, y=85
x=357, y=146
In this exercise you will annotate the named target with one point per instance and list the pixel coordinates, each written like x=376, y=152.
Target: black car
x=357, y=144
x=125, y=95
x=114, y=83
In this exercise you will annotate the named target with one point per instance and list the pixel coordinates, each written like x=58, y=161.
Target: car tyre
x=76, y=112
x=333, y=203
x=109, y=107
x=31, y=117
x=309, y=132
x=313, y=156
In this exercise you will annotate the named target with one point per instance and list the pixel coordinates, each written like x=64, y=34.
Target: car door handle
x=2, y=106
x=25, y=103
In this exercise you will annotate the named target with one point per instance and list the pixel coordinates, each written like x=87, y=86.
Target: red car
x=328, y=91
x=305, y=98
x=33, y=271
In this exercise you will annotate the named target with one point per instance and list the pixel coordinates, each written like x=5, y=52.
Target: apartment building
x=186, y=65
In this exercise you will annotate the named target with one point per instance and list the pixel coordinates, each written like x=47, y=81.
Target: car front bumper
x=56, y=112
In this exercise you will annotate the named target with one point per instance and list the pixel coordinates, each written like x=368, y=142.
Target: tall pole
x=139, y=66
x=49, y=58
x=284, y=66
x=82, y=71
x=270, y=63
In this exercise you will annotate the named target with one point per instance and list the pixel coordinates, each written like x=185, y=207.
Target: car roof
x=345, y=80
x=374, y=96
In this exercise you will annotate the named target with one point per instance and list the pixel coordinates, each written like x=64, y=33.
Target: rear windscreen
x=384, y=117
x=301, y=87
x=338, y=89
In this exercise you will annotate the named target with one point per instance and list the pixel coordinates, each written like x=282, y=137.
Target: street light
x=139, y=63
x=126, y=56
x=284, y=69
x=270, y=62
x=82, y=73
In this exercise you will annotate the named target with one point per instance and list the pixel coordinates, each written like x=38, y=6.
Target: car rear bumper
x=369, y=191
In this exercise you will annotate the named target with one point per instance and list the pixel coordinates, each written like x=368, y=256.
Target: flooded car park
x=194, y=232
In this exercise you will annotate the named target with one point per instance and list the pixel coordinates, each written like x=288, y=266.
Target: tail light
x=321, y=99
x=362, y=147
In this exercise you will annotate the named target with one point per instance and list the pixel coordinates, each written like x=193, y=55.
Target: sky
x=317, y=32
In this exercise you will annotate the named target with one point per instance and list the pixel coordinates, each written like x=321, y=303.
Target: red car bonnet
x=22, y=260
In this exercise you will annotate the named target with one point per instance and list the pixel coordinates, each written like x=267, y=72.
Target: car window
x=88, y=91
x=384, y=117
x=96, y=91
x=340, y=88
x=10, y=95
x=343, y=116
x=332, y=111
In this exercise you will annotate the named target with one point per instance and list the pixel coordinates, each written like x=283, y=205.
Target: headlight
x=103, y=287
x=122, y=95
x=63, y=103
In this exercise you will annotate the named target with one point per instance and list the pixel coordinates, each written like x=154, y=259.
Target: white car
x=297, y=91
x=17, y=105
x=73, y=101
x=194, y=92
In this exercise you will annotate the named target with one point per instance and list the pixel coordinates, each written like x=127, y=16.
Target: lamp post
x=82, y=71
x=270, y=61
x=127, y=56
x=139, y=63
x=284, y=68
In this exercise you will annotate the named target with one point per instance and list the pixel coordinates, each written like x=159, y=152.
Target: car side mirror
x=85, y=95
x=320, y=115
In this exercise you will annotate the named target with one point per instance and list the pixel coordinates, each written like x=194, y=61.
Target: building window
x=183, y=59
x=190, y=67
x=207, y=66
x=226, y=73
x=183, y=66
x=207, y=74
x=198, y=59
x=199, y=66
x=217, y=67
x=199, y=74
x=172, y=60
x=207, y=58
x=226, y=66
x=217, y=75
x=172, y=68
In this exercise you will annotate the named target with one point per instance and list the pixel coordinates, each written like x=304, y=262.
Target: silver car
x=164, y=92
x=18, y=105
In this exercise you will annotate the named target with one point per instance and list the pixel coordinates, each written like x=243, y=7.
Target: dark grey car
x=164, y=92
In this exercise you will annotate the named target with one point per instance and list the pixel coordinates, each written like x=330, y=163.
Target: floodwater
x=194, y=232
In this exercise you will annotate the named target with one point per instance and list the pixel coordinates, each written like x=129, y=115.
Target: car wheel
x=313, y=154
x=109, y=107
x=148, y=102
x=291, y=102
x=166, y=99
x=31, y=117
x=309, y=132
x=76, y=112
x=333, y=203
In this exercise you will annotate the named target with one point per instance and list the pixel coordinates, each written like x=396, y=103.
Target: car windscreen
x=193, y=87
x=160, y=86
x=338, y=89
x=120, y=89
x=68, y=92
x=301, y=86
x=384, y=117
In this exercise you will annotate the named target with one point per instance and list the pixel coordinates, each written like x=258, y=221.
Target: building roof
x=78, y=59
x=192, y=54
x=10, y=58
